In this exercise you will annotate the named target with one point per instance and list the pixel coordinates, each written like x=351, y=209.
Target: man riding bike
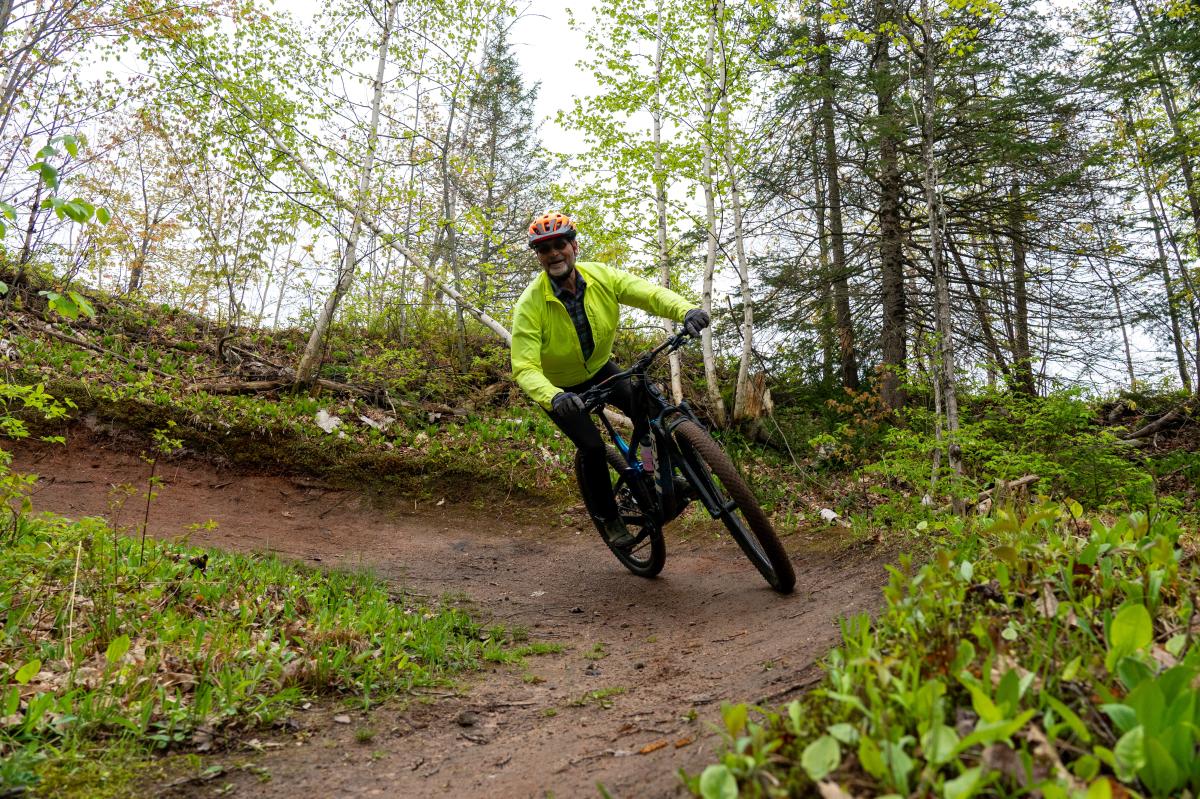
x=562, y=337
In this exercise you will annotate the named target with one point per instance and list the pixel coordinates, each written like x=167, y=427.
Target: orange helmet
x=550, y=225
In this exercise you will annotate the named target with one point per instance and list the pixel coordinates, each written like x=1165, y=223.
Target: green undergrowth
x=511, y=453
x=113, y=650
x=1032, y=655
x=883, y=462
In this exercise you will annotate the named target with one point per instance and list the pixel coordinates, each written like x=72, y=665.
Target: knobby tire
x=647, y=556
x=746, y=522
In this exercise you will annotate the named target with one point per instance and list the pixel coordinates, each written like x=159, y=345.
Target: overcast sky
x=549, y=51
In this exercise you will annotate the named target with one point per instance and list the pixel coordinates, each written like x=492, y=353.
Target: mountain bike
x=669, y=460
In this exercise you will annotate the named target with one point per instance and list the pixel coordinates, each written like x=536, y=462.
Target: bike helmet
x=550, y=225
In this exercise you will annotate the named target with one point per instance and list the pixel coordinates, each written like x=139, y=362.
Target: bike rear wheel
x=646, y=556
x=715, y=474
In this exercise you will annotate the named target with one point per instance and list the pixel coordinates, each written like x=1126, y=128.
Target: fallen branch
x=984, y=498
x=1001, y=486
x=1177, y=414
x=371, y=396
x=239, y=386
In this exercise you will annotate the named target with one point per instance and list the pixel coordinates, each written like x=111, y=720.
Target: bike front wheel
x=712, y=472
x=646, y=556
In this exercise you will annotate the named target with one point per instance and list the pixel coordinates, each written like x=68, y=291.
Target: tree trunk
x=310, y=360
x=981, y=311
x=712, y=386
x=1182, y=141
x=891, y=256
x=945, y=327
x=830, y=354
x=742, y=405
x=1022, y=358
x=1172, y=303
x=840, y=277
x=1190, y=289
x=660, y=197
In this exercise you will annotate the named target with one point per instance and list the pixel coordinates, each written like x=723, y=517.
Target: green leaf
x=76, y=211
x=1129, y=754
x=899, y=764
x=795, y=716
x=1086, y=767
x=85, y=206
x=1100, y=789
x=717, y=782
x=964, y=785
x=871, y=758
x=12, y=701
x=821, y=757
x=46, y=152
x=64, y=306
x=48, y=173
x=1133, y=672
x=1162, y=774
x=8, y=210
x=117, y=648
x=735, y=718
x=27, y=672
x=1149, y=704
x=1070, y=717
x=103, y=215
x=846, y=733
x=72, y=145
x=1008, y=692
x=1132, y=629
x=983, y=705
x=3, y=285
x=938, y=744
x=987, y=732
x=81, y=301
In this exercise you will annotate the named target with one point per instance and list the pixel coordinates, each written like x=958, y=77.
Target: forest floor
x=633, y=695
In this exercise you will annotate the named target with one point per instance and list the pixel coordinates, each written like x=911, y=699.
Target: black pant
x=583, y=432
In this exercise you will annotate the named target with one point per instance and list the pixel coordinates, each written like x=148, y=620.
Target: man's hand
x=695, y=321
x=567, y=404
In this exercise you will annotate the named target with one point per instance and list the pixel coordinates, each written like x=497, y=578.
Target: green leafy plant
x=1031, y=640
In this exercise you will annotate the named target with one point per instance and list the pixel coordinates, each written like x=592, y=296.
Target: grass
x=601, y=698
x=109, y=654
x=538, y=648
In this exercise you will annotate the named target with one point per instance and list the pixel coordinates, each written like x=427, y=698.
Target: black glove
x=567, y=404
x=696, y=320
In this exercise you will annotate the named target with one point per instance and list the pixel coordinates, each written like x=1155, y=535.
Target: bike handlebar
x=594, y=397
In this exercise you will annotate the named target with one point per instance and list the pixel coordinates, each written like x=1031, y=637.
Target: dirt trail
x=708, y=630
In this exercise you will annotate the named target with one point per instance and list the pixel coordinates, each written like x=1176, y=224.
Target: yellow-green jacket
x=545, y=347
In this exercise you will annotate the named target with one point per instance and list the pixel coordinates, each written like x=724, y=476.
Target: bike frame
x=658, y=417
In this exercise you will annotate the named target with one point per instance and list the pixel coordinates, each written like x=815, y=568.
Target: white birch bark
x=941, y=284
x=660, y=197
x=712, y=386
x=310, y=360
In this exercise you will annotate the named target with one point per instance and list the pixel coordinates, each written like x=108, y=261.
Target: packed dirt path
x=632, y=697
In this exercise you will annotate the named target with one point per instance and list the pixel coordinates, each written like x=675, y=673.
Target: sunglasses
x=545, y=247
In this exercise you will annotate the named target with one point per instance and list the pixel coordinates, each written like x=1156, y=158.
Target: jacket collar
x=548, y=284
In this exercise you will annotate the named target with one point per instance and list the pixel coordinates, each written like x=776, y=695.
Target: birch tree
x=310, y=360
